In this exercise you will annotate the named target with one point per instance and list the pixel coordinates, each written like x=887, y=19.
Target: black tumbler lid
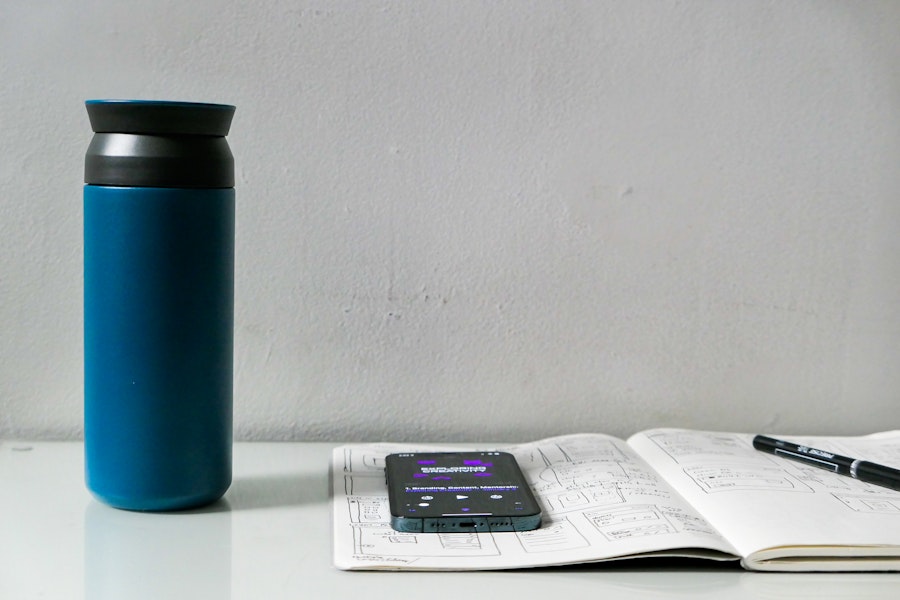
x=159, y=144
x=159, y=117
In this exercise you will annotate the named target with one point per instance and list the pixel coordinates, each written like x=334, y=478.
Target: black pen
x=844, y=465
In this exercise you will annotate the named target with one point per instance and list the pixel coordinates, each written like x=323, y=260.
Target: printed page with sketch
x=781, y=514
x=600, y=502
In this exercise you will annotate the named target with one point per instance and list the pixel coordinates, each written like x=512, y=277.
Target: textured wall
x=494, y=220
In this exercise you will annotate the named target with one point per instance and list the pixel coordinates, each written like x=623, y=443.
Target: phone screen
x=459, y=491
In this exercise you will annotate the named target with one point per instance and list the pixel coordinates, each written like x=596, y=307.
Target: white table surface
x=270, y=537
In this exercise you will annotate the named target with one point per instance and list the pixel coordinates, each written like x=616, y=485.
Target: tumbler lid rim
x=159, y=117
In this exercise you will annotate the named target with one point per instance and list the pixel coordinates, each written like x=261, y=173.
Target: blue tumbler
x=158, y=303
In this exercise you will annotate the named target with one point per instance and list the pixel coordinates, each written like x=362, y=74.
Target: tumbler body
x=158, y=316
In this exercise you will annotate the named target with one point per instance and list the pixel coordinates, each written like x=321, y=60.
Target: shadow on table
x=275, y=491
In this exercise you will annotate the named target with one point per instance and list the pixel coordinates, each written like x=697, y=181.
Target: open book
x=664, y=492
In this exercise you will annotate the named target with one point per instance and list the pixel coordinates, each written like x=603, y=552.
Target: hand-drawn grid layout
x=749, y=469
x=592, y=491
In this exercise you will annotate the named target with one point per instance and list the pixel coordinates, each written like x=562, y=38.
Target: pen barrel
x=765, y=443
x=878, y=475
x=810, y=456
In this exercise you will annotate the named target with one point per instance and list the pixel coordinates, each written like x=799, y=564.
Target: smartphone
x=445, y=492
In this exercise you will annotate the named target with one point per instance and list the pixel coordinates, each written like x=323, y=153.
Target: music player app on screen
x=459, y=491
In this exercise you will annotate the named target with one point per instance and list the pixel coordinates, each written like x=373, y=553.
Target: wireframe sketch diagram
x=683, y=446
x=727, y=462
x=663, y=492
x=871, y=503
x=593, y=491
x=727, y=479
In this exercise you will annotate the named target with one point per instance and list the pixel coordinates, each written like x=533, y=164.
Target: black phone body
x=445, y=492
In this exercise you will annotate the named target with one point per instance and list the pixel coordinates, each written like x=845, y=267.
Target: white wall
x=497, y=220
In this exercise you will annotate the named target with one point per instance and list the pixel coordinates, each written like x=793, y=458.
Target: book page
x=599, y=500
x=772, y=507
